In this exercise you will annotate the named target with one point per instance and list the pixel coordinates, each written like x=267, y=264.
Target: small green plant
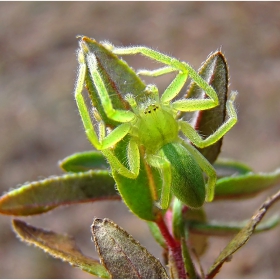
x=159, y=152
x=152, y=124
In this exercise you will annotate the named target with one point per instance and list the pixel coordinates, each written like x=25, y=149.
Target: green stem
x=189, y=266
x=181, y=234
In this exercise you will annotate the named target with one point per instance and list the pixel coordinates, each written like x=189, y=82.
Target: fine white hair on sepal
x=92, y=61
x=108, y=45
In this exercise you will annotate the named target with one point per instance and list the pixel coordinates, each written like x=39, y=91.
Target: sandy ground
x=39, y=122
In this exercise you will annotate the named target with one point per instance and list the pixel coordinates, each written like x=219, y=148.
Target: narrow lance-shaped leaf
x=157, y=234
x=181, y=233
x=60, y=246
x=117, y=76
x=80, y=162
x=242, y=237
x=44, y=195
x=199, y=242
x=221, y=229
x=215, y=72
x=122, y=255
x=228, y=167
x=119, y=79
x=123, y=76
x=245, y=186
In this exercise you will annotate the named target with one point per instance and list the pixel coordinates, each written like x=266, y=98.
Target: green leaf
x=177, y=219
x=245, y=186
x=138, y=194
x=122, y=255
x=227, y=167
x=80, y=162
x=119, y=80
x=199, y=242
x=60, y=246
x=157, y=234
x=41, y=196
x=188, y=263
x=222, y=229
x=181, y=233
x=242, y=237
x=215, y=72
x=118, y=77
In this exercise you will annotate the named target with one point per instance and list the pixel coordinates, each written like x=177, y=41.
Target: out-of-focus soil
x=39, y=121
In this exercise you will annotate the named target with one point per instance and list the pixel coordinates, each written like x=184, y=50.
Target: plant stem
x=174, y=247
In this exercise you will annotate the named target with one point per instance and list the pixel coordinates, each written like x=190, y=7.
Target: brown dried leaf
x=60, y=246
x=242, y=237
x=122, y=255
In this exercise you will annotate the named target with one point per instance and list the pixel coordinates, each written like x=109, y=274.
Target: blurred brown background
x=39, y=121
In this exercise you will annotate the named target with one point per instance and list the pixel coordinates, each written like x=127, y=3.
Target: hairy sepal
x=117, y=76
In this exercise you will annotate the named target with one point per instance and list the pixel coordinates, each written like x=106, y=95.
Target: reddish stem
x=174, y=246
